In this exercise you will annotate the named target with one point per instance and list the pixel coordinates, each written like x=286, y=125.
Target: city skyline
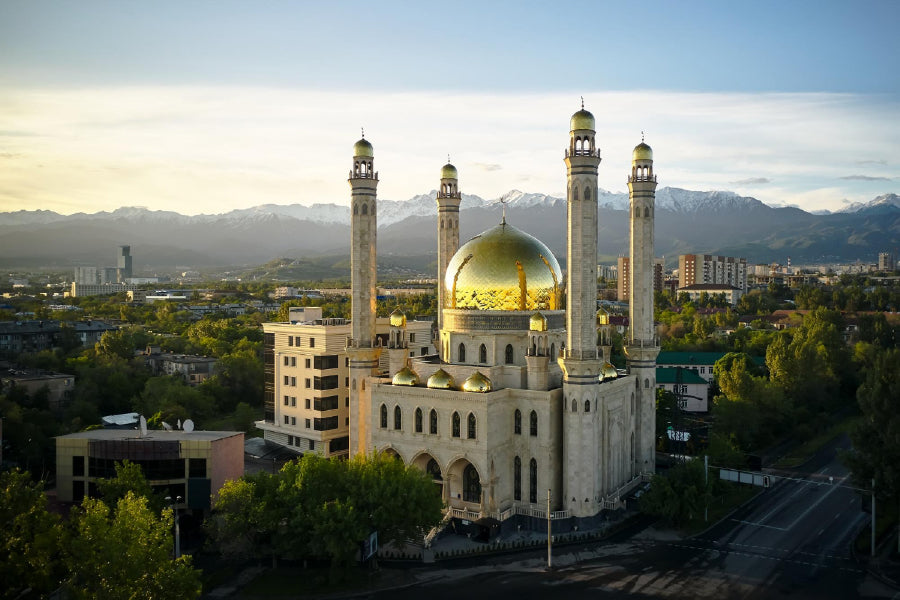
x=208, y=107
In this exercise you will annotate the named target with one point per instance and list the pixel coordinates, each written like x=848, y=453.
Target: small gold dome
x=441, y=380
x=398, y=319
x=538, y=322
x=476, y=382
x=405, y=376
x=607, y=372
x=503, y=268
x=449, y=172
x=642, y=152
x=363, y=148
x=582, y=120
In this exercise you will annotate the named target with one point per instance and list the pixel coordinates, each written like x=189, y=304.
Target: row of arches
x=448, y=189
x=532, y=480
x=582, y=146
x=586, y=195
x=459, y=478
x=362, y=168
x=539, y=346
x=532, y=423
x=647, y=212
x=419, y=422
x=450, y=224
x=362, y=209
x=641, y=173
x=509, y=355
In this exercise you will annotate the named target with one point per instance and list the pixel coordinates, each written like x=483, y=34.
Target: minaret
x=361, y=347
x=580, y=363
x=448, y=199
x=642, y=345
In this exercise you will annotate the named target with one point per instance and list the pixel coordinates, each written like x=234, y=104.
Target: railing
x=652, y=178
x=538, y=513
x=595, y=153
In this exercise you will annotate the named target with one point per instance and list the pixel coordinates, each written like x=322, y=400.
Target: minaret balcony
x=374, y=175
x=595, y=153
x=650, y=178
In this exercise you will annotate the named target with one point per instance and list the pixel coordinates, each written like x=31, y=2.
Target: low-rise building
x=689, y=387
x=193, y=465
x=58, y=385
x=731, y=293
x=194, y=369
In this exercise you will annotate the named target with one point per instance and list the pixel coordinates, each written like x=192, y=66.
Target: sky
x=209, y=106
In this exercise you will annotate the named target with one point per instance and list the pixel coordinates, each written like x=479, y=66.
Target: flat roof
x=156, y=435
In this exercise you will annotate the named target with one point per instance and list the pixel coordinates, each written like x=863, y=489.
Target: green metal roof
x=669, y=374
x=696, y=358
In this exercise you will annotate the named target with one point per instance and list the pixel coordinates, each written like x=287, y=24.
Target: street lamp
x=174, y=505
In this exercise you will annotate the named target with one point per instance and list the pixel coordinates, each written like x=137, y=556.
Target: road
x=792, y=541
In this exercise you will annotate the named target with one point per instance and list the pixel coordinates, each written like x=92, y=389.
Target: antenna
x=504, y=199
x=166, y=426
x=188, y=425
x=582, y=103
x=143, y=426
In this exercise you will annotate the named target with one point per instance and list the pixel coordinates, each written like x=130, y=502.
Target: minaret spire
x=448, y=199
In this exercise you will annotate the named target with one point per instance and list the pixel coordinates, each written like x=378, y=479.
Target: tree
x=126, y=553
x=129, y=478
x=29, y=537
x=876, y=438
x=680, y=494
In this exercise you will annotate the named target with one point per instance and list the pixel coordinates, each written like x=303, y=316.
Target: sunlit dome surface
x=363, y=148
x=477, y=383
x=398, y=319
x=504, y=268
x=405, y=376
x=582, y=120
x=441, y=380
x=642, y=152
x=449, y=172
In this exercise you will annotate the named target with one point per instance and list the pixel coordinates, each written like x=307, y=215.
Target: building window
x=312, y=444
x=517, y=479
x=287, y=380
x=326, y=403
x=286, y=400
x=294, y=381
x=312, y=342
x=471, y=426
x=287, y=361
x=307, y=383
x=78, y=466
x=196, y=467
x=287, y=420
x=293, y=421
x=433, y=422
x=290, y=440
x=326, y=361
x=461, y=354
x=532, y=481
x=293, y=361
x=418, y=420
x=533, y=424
x=383, y=416
x=412, y=337
x=434, y=470
x=471, y=484
x=482, y=354
x=587, y=406
x=455, y=425
x=307, y=423
x=306, y=403
x=398, y=418
x=325, y=423
x=290, y=340
x=509, y=354
x=517, y=422
x=306, y=363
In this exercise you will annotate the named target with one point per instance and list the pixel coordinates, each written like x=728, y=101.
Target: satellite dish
x=179, y=423
x=188, y=425
x=143, y=426
x=166, y=426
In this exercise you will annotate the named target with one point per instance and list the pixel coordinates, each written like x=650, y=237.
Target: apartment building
x=706, y=269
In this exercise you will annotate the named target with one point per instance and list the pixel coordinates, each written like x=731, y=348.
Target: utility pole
x=549, y=534
x=706, y=486
x=873, y=517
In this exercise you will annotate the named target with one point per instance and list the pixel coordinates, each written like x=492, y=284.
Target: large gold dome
x=504, y=268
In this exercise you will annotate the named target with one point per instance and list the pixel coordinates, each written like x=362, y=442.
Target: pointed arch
x=517, y=422
x=398, y=417
x=482, y=354
x=533, y=424
x=509, y=354
x=517, y=479
x=455, y=425
x=471, y=427
x=433, y=422
x=471, y=484
x=532, y=481
x=418, y=419
x=461, y=353
x=365, y=208
x=383, y=411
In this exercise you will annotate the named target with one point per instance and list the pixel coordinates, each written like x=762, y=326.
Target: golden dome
x=642, y=152
x=363, y=148
x=398, y=319
x=607, y=372
x=582, y=120
x=538, y=322
x=405, y=376
x=476, y=382
x=504, y=268
x=441, y=380
x=449, y=172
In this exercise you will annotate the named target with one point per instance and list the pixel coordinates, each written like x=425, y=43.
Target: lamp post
x=177, y=541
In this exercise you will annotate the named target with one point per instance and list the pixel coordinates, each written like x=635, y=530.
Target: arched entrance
x=430, y=465
x=465, y=485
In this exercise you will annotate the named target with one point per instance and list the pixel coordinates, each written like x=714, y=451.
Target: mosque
x=519, y=411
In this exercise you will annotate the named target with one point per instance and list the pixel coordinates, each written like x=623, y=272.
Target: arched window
x=471, y=485
x=418, y=420
x=532, y=425
x=574, y=405
x=471, y=428
x=637, y=211
x=398, y=418
x=647, y=383
x=455, y=425
x=646, y=212
x=362, y=385
x=509, y=354
x=355, y=209
x=482, y=354
x=517, y=479
x=442, y=223
x=517, y=422
x=587, y=406
x=461, y=353
x=434, y=470
x=587, y=194
x=553, y=352
x=532, y=481
x=383, y=416
x=433, y=422
x=365, y=209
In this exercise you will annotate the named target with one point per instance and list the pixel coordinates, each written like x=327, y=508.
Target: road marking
x=775, y=549
x=817, y=502
x=821, y=531
x=763, y=556
x=759, y=524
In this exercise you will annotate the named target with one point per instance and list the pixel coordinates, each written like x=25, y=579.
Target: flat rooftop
x=154, y=435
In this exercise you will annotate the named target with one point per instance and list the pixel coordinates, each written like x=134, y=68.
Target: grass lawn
x=735, y=495
x=296, y=582
x=805, y=451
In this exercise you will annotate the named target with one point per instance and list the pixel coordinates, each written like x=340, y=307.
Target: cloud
x=871, y=162
x=752, y=181
x=487, y=166
x=865, y=178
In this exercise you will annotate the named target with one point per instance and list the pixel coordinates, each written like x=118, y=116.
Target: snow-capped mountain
x=883, y=201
